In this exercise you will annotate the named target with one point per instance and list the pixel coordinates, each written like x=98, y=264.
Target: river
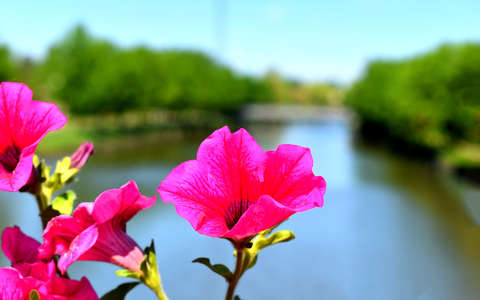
x=391, y=227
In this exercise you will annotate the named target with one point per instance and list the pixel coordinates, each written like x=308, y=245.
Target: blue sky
x=308, y=40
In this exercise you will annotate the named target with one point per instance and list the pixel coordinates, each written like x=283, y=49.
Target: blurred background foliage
x=429, y=102
x=90, y=76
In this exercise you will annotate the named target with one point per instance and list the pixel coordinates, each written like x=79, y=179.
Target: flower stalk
x=153, y=281
x=148, y=273
x=240, y=268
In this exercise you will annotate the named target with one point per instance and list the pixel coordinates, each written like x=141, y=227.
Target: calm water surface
x=391, y=228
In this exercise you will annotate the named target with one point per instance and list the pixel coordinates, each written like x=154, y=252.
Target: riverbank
x=462, y=159
x=425, y=104
x=131, y=130
x=111, y=131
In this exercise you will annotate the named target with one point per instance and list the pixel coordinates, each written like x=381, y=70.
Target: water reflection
x=391, y=228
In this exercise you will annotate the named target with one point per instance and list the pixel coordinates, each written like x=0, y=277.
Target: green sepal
x=128, y=273
x=34, y=295
x=252, y=262
x=149, y=270
x=220, y=269
x=150, y=260
x=265, y=239
x=64, y=203
x=36, y=161
x=120, y=292
x=148, y=273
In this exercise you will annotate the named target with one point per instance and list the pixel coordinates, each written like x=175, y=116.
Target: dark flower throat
x=235, y=211
x=9, y=159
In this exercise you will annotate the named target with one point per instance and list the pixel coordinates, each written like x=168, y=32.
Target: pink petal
x=115, y=246
x=14, y=181
x=41, y=118
x=289, y=179
x=12, y=285
x=62, y=230
x=66, y=289
x=235, y=161
x=264, y=214
x=14, y=101
x=198, y=197
x=82, y=243
x=123, y=203
x=41, y=271
x=19, y=247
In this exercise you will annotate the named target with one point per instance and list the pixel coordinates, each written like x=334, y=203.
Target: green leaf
x=34, y=295
x=220, y=269
x=64, y=203
x=237, y=297
x=120, y=291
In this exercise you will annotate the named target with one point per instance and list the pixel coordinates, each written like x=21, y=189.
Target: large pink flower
x=29, y=273
x=96, y=231
x=23, y=124
x=235, y=190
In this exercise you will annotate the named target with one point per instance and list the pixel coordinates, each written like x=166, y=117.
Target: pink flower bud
x=80, y=157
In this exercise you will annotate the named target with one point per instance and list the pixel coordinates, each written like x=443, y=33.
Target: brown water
x=391, y=228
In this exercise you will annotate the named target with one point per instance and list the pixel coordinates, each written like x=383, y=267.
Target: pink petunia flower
x=96, y=231
x=234, y=190
x=28, y=273
x=23, y=124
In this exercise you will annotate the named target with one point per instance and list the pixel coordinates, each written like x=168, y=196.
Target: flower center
x=9, y=159
x=235, y=211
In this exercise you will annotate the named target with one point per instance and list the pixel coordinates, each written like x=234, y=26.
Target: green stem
x=160, y=293
x=239, y=269
x=42, y=206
